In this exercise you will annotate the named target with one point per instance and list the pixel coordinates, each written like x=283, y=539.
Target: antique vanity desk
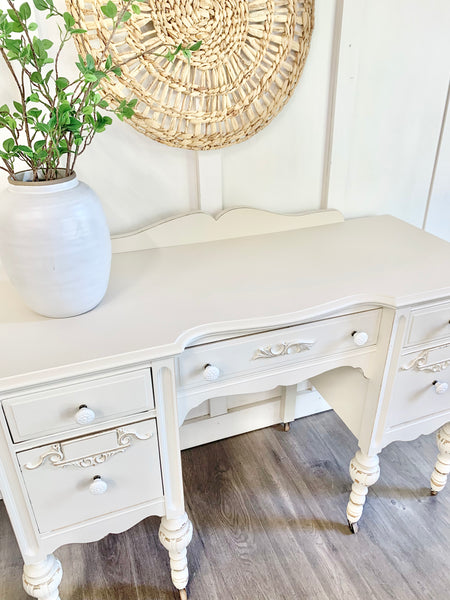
x=91, y=406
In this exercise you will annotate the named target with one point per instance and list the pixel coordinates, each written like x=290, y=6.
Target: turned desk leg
x=41, y=580
x=364, y=471
x=442, y=467
x=175, y=535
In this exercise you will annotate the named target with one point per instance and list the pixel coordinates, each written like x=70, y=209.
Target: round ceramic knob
x=360, y=338
x=98, y=486
x=84, y=415
x=211, y=373
x=440, y=387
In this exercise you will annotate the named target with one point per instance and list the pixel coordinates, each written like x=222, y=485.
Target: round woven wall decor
x=249, y=63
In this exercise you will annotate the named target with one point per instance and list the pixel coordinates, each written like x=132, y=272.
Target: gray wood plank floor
x=268, y=510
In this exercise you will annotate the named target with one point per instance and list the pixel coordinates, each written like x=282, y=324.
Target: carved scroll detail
x=282, y=349
x=56, y=457
x=420, y=363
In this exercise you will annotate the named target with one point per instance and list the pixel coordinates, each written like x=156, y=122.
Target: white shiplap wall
x=360, y=134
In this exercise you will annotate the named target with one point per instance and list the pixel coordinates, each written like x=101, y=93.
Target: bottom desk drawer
x=422, y=386
x=81, y=479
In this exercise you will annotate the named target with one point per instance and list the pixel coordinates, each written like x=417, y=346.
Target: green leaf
x=9, y=144
x=75, y=31
x=103, y=104
x=36, y=77
x=126, y=16
x=18, y=106
x=4, y=109
x=34, y=113
x=13, y=16
x=68, y=20
x=42, y=127
x=39, y=145
x=195, y=46
x=32, y=26
x=109, y=9
x=117, y=71
x=46, y=44
x=90, y=77
x=24, y=149
x=187, y=53
x=61, y=83
x=136, y=9
x=33, y=97
x=25, y=11
x=40, y=4
x=90, y=63
x=108, y=63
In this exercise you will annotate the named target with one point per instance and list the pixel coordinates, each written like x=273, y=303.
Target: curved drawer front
x=265, y=352
x=422, y=387
x=429, y=324
x=56, y=410
x=59, y=477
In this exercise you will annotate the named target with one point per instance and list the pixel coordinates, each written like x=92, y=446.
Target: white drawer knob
x=440, y=387
x=360, y=337
x=98, y=486
x=211, y=373
x=84, y=415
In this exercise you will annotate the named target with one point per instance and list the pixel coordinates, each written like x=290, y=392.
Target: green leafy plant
x=55, y=119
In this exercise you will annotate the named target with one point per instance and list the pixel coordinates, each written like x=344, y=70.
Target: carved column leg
x=364, y=471
x=442, y=467
x=41, y=580
x=175, y=535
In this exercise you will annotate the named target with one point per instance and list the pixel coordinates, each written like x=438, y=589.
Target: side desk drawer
x=58, y=478
x=262, y=352
x=422, y=386
x=429, y=324
x=55, y=410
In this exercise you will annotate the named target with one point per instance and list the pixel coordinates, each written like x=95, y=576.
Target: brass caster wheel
x=286, y=426
x=433, y=493
x=183, y=594
x=354, y=527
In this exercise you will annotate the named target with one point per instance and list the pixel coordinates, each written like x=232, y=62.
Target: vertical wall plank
x=384, y=151
x=281, y=168
x=348, y=49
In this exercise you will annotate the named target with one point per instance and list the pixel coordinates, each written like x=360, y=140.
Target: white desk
x=361, y=308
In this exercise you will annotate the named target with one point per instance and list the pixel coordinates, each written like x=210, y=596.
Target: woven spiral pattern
x=251, y=58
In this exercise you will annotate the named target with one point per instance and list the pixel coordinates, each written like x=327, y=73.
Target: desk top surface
x=160, y=300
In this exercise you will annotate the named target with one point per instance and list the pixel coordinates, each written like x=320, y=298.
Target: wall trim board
x=209, y=181
x=436, y=161
x=334, y=68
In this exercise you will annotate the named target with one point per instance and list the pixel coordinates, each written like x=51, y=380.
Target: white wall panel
x=281, y=167
x=387, y=124
x=438, y=215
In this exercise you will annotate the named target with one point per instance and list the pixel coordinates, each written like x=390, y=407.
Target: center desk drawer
x=55, y=410
x=91, y=476
x=258, y=353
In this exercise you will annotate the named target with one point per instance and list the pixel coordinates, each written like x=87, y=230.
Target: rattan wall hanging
x=251, y=58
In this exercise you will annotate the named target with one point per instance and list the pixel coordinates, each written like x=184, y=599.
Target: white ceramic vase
x=55, y=245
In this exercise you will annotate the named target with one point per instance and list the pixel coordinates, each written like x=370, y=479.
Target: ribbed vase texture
x=55, y=245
